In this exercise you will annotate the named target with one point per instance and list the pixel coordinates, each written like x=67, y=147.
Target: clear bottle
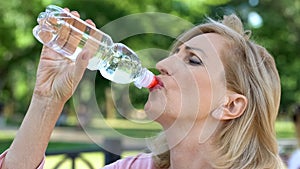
x=68, y=35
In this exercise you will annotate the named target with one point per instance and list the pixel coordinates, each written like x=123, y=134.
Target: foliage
x=19, y=51
x=279, y=33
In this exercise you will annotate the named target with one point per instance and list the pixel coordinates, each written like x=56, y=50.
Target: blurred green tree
x=275, y=25
x=19, y=51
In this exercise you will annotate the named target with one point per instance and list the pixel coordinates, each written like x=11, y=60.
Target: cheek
x=202, y=94
x=189, y=97
x=205, y=101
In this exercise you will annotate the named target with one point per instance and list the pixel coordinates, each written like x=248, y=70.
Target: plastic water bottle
x=68, y=35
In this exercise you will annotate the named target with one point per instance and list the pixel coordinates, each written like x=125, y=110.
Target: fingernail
x=85, y=55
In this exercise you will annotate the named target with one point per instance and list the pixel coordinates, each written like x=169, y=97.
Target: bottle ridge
x=68, y=35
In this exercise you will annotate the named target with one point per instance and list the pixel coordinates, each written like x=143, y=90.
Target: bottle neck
x=146, y=79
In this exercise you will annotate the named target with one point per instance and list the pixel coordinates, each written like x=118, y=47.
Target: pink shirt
x=143, y=161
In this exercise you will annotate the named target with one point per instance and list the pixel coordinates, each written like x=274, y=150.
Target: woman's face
x=192, y=82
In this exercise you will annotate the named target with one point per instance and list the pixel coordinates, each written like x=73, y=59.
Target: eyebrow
x=196, y=49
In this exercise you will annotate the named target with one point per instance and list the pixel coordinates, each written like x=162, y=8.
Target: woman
x=217, y=100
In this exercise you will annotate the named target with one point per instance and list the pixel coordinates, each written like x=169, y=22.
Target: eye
x=194, y=60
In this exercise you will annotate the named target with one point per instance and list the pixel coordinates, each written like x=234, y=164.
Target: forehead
x=208, y=40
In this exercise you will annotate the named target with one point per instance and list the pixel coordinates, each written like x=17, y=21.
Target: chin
x=154, y=110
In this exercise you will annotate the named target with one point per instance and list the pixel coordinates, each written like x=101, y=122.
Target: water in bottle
x=68, y=35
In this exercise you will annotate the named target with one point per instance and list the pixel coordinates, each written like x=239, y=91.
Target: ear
x=233, y=108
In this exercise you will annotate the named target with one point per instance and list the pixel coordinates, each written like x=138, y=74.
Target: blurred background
x=274, y=24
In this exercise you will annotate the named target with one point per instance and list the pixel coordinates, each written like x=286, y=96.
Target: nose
x=163, y=66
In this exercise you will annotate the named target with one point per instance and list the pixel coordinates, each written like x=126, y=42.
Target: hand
x=57, y=76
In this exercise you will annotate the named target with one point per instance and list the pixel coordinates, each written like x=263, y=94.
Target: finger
x=90, y=22
x=83, y=59
x=75, y=13
x=81, y=64
x=67, y=9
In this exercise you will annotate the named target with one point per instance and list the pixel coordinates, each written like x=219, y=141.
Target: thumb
x=81, y=64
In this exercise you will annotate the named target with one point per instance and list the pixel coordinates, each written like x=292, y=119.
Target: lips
x=159, y=85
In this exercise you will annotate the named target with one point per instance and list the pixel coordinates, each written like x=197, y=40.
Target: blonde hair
x=248, y=141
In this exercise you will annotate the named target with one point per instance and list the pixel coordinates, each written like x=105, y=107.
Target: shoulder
x=136, y=162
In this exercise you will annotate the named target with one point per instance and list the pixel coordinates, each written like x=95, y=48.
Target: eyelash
x=194, y=60
x=190, y=60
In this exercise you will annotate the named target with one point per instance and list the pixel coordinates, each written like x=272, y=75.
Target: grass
x=285, y=129
x=140, y=129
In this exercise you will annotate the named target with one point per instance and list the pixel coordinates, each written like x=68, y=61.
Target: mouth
x=159, y=85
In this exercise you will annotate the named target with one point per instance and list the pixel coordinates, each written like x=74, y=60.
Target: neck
x=188, y=149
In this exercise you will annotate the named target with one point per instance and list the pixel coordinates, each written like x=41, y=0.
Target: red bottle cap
x=153, y=83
